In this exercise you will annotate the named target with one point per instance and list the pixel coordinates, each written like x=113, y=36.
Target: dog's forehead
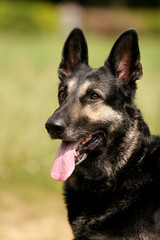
x=79, y=86
x=94, y=78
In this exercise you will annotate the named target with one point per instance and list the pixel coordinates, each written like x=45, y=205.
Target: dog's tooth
x=74, y=153
x=85, y=140
x=88, y=138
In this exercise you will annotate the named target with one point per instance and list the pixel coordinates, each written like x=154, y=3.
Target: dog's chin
x=86, y=146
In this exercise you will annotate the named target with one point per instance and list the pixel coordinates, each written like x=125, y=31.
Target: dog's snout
x=55, y=126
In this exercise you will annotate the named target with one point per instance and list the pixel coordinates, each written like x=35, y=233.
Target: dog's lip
x=87, y=145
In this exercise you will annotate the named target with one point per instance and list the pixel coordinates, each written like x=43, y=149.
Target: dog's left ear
x=124, y=58
x=75, y=51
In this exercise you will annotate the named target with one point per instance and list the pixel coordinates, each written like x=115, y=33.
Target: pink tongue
x=64, y=163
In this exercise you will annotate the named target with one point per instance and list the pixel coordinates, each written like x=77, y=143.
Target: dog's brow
x=72, y=84
x=84, y=88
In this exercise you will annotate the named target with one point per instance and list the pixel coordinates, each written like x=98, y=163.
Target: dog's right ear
x=75, y=51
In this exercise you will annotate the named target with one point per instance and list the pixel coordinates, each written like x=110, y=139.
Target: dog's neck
x=127, y=146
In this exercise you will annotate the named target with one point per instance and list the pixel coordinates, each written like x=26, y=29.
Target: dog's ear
x=75, y=51
x=124, y=58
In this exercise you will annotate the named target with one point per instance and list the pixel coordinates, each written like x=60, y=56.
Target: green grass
x=28, y=96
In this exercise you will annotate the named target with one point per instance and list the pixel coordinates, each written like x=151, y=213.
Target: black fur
x=115, y=192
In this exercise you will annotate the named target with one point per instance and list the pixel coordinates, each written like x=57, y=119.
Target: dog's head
x=94, y=103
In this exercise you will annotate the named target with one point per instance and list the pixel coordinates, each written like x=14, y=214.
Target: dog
x=108, y=159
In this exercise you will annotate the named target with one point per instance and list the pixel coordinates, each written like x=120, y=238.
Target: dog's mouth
x=71, y=154
x=85, y=146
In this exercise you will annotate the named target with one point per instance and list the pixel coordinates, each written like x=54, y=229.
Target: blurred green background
x=32, y=34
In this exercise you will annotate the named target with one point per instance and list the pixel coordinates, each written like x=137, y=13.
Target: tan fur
x=72, y=84
x=132, y=140
x=129, y=145
x=100, y=112
x=83, y=88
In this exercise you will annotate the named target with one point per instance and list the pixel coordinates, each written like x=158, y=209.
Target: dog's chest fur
x=128, y=209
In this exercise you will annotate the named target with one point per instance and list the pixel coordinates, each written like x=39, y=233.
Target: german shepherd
x=108, y=159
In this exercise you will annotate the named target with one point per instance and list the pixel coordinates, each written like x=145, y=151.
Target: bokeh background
x=32, y=34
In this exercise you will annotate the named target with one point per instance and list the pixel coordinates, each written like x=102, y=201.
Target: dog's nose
x=55, y=127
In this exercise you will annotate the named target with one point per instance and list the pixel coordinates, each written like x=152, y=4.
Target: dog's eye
x=61, y=95
x=95, y=96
